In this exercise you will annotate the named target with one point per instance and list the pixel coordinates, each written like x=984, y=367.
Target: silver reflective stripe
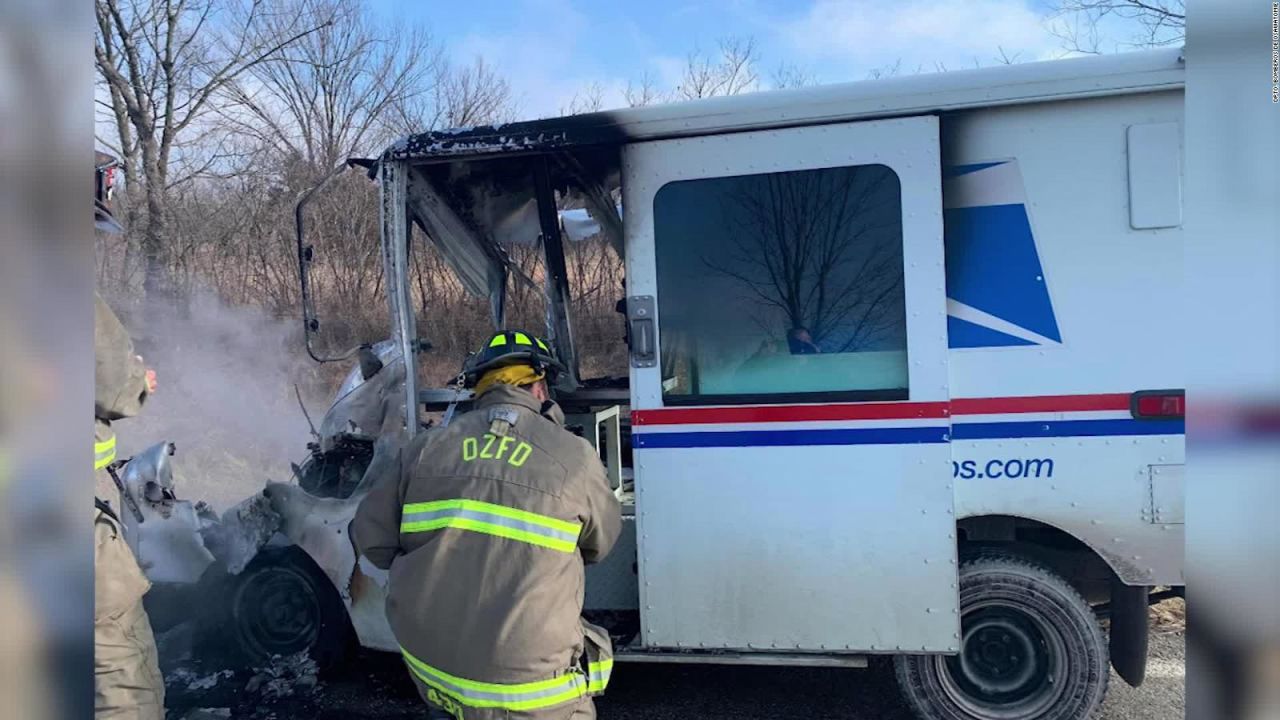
x=599, y=677
x=492, y=519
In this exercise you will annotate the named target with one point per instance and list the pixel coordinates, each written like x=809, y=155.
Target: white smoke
x=225, y=396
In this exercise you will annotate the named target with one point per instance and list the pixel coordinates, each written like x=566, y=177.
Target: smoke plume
x=226, y=396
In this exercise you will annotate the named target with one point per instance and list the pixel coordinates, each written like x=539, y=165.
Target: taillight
x=109, y=182
x=1159, y=404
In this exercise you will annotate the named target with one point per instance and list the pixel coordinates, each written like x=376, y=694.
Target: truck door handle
x=642, y=327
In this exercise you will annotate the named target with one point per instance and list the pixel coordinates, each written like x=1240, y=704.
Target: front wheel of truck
x=1031, y=649
x=281, y=604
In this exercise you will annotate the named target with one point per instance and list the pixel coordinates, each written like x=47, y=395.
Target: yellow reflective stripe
x=503, y=510
x=498, y=340
x=542, y=344
x=514, y=688
x=490, y=529
x=104, y=453
x=522, y=339
x=598, y=675
x=521, y=696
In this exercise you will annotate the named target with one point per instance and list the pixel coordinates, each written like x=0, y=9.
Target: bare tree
x=326, y=96
x=788, y=76
x=473, y=94
x=587, y=100
x=163, y=62
x=891, y=70
x=461, y=96
x=1079, y=23
x=643, y=93
x=1003, y=58
x=731, y=71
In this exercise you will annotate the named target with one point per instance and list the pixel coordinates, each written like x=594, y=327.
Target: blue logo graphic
x=996, y=291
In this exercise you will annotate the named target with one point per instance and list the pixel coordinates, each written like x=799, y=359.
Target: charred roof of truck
x=600, y=128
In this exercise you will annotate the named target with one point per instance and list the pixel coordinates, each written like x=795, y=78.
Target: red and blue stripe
x=895, y=423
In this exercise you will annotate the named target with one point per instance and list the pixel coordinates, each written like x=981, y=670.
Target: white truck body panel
x=1056, y=311
x=1114, y=294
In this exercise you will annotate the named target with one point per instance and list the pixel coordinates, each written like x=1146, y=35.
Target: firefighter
x=126, y=666
x=486, y=530
x=126, y=669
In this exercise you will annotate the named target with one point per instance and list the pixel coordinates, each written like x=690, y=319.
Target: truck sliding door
x=789, y=390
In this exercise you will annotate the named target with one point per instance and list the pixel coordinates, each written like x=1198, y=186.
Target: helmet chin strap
x=546, y=408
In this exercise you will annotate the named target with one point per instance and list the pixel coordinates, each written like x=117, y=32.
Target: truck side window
x=781, y=287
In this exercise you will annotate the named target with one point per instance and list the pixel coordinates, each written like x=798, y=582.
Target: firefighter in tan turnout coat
x=126, y=667
x=126, y=670
x=486, y=531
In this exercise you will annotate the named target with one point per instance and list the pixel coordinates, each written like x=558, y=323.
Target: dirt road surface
x=376, y=686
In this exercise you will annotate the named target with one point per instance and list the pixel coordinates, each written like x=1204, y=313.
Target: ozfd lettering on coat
x=493, y=447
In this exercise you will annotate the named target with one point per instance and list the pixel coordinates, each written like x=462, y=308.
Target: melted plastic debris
x=210, y=681
x=207, y=714
x=285, y=676
x=196, y=682
x=243, y=531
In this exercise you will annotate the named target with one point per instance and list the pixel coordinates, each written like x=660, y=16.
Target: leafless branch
x=731, y=71
x=642, y=93
x=792, y=76
x=1079, y=24
x=587, y=100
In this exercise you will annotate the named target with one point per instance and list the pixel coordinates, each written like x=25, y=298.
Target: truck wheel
x=1031, y=650
x=281, y=604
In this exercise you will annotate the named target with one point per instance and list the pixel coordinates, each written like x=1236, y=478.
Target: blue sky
x=551, y=49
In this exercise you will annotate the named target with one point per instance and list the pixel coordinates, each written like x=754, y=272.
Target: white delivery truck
x=904, y=373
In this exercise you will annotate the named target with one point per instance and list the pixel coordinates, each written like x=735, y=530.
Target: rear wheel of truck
x=1031, y=649
x=281, y=604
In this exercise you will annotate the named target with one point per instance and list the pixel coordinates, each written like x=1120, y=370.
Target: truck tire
x=1031, y=649
x=281, y=604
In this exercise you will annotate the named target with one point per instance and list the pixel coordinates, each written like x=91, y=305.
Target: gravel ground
x=376, y=686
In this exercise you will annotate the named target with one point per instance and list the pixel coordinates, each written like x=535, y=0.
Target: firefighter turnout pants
x=126, y=670
x=127, y=684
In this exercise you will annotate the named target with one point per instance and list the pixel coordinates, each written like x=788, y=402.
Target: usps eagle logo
x=996, y=291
